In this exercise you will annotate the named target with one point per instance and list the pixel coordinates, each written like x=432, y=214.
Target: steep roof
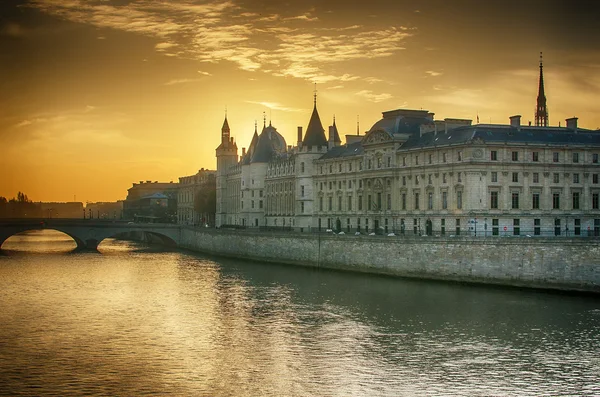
x=246, y=159
x=504, y=134
x=400, y=124
x=336, y=135
x=225, y=125
x=270, y=143
x=315, y=134
x=353, y=149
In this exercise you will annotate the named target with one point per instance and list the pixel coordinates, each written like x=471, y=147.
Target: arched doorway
x=429, y=227
x=338, y=225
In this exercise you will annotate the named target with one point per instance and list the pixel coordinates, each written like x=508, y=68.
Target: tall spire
x=541, y=111
x=315, y=94
x=225, y=130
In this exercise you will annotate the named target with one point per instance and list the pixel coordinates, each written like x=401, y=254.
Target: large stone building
x=189, y=188
x=151, y=202
x=412, y=174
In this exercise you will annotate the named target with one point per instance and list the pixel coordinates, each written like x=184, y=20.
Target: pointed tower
x=334, y=136
x=315, y=134
x=314, y=145
x=541, y=111
x=226, y=158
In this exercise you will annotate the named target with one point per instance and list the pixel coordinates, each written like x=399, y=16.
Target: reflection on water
x=133, y=321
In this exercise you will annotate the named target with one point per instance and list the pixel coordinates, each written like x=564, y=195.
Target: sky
x=99, y=94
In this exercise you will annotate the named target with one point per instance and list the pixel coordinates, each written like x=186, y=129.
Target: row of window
x=494, y=179
x=388, y=161
x=535, y=156
x=404, y=227
x=260, y=193
x=555, y=177
x=535, y=200
x=515, y=155
x=374, y=203
x=284, y=170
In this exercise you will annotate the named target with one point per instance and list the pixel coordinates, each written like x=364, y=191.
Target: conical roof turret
x=336, y=134
x=225, y=127
x=315, y=134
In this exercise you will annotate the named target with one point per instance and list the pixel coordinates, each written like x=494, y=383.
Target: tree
x=22, y=198
x=3, y=207
x=205, y=199
x=19, y=207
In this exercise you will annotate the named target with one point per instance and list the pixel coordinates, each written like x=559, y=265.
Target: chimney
x=243, y=151
x=572, y=123
x=299, y=136
x=515, y=121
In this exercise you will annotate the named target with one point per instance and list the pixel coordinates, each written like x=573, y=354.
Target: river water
x=135, y=320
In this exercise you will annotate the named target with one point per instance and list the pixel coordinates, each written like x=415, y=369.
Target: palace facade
x=413, y=174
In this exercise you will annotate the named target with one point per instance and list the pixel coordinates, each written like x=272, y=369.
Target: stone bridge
x=88, y=233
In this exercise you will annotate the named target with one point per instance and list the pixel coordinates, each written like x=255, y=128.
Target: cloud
x=335, y=87
x=433, y=73
x=270, y=18
x=181, y=81
x=304, y=17
x=276, y=106
x=221, y=31
x=164, y=46
x=372, y=80
x=24, y=123
x=78, y=126
x=204, y=73
x=372, y=97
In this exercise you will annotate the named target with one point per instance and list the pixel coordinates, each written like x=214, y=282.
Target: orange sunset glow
x=99, y=94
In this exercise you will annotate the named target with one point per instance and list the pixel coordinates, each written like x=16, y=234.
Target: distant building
x=189, y=188
x=61, y=210
x=105, y=210
x=151, y=202
x=413, y=174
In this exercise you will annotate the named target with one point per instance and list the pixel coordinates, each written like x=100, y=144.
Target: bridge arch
x=6, y=236
x=88, y=235
x=144, y=236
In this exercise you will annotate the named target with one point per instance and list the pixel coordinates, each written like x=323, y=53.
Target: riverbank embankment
x=571, y=264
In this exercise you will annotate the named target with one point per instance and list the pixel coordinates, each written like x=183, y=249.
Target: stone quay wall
x=571, y=264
